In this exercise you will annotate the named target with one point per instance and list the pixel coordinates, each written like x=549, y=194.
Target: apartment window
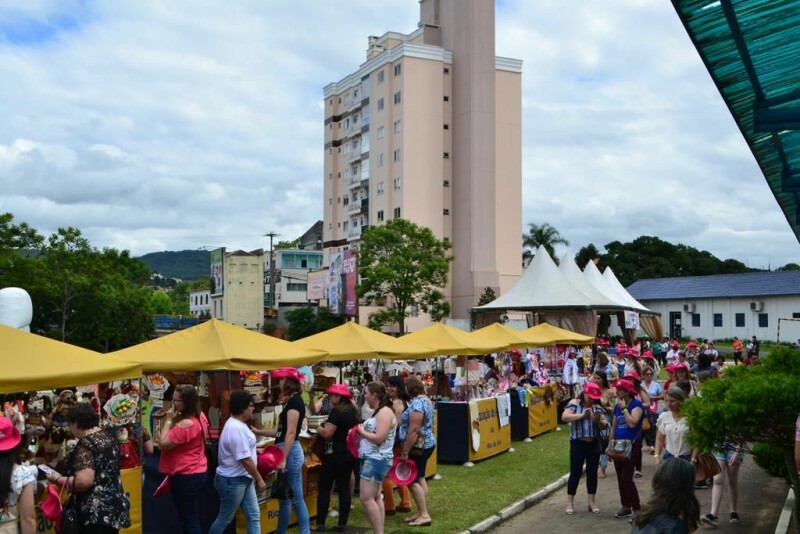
x=398, y=69
x=339, y=175
x=380, y=104
x=446, y=70
x=397, y=155
x=330, y=226
x=763, y=320
x=330, y=201
x=717, y=320
x=446, y=211
x=796, y=315
x=380, y=215
x=446, y=155
x=380, y=188
x=397, y=213
x=296, y=287
x=397, y=183
x=397, y=97
x=380, y=76
x=330, y=151
x=446, y=126
x=446, y=183
x=338, y=200
x=695, y=319
x=397, y=126
x=380, y=159
x=345, y=225
x=330, y=176
x=346, y=201
x=380, y=132
x=446, y=98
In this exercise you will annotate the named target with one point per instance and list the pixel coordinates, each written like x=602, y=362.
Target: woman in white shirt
x=673, y=432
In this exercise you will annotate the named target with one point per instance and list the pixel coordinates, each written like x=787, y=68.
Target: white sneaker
x=333, y=513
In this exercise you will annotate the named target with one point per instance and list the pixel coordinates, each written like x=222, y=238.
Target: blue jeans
x=235, y=491
x=186, y=494
x=294, y=470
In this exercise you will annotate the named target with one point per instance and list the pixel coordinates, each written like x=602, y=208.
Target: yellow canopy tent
x=34, y=362
x=546, y=335
x=217, y=345
x=500, y=335
x=351, y=341
x=449, y=340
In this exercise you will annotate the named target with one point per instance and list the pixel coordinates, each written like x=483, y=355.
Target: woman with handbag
x=419, y=442
x=625, y=445
x=93, y=478
x=337, y=462
x=375, y=451
x=400, y=399
x=647, y=428
x=183, y=455
x=17, y=484
x=586, y=418
x=290, y=421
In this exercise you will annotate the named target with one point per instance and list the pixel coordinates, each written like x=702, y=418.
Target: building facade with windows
x=291, y=280
x=200, y=303
x=726, y=305
x=237, y=294
x=429, y=129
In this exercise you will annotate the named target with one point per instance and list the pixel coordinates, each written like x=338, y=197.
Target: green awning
x=751, y=48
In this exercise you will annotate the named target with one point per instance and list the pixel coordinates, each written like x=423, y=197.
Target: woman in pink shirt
x=183, y=455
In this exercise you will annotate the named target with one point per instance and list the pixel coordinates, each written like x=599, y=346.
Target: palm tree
x=544, y=235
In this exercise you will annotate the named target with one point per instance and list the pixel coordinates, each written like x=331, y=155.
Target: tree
x=160, y=302
x=790, y=267
x=755, y=407
x=487, y=296
x=282, y=245
x=544, y=235
x=586, y=254
x=407, y=263
x=302, y=322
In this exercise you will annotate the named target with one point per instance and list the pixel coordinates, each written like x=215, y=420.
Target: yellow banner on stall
x=542, y=415
x=131, y=485
x=487, y=437
x=269, y=514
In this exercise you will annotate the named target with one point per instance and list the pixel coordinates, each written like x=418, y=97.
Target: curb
x=517, y=507
x=786, y=515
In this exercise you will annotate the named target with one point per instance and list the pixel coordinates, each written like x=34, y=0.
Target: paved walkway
x=761, y=499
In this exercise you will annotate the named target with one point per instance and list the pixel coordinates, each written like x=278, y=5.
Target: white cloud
x=154, y=125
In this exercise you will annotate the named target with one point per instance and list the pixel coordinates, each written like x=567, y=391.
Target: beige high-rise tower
x=429, y=129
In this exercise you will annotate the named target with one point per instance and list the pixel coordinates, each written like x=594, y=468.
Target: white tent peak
x=592, y=274
x=573, y=274
x=615, y=285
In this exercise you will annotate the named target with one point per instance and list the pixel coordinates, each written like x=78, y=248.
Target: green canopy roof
x=751, y=48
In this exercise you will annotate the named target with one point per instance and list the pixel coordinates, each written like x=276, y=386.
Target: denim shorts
x=374, y=469
x=727, y=454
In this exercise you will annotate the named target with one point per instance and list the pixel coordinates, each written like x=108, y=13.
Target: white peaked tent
x=614, y=284
x=573, y=274
x=541, y=285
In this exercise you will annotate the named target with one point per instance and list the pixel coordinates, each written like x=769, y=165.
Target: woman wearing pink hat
x=586, y=419
x=627, y=425
x=337, y=463
x=17, y=484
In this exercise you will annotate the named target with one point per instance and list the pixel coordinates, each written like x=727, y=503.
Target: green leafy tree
x=790, y=267
x=755, y=407
x=302, y=322
x=586, y=254
x=487, y=296
x=544, y=235
x=282, y=245
x=160, y=302
x=406, y=263
x=15, y=239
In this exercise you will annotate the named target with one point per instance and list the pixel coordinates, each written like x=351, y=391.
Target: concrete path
x=761, y=499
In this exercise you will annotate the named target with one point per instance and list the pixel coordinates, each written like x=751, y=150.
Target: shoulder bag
x=706, y=467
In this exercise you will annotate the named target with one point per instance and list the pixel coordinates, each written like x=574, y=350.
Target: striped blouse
x=583, y=428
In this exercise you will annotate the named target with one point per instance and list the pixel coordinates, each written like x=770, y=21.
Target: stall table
x=471, y=431
x=539, y=416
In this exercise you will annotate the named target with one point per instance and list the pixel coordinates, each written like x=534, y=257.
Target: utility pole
x=272, y=296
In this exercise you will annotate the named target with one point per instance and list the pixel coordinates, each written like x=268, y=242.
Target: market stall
x=217, y=358
x=534, y=409
x=36, y=364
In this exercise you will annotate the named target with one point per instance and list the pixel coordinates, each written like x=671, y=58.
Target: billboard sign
x=217, y=275
x=349, y=278
x=335, y=287
x=317, y=285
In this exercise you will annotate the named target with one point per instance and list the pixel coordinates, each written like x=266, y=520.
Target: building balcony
x=354, y=233
x=354, y=207
x=353, y=182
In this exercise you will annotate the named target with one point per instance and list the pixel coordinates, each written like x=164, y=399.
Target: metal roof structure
x=751, y=50
x=760, y=284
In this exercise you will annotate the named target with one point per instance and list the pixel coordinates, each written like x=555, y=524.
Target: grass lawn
x=466, y=495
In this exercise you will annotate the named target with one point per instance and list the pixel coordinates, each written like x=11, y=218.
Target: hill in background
x=184, y=264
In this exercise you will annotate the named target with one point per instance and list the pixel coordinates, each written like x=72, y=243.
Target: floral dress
x=104, y=503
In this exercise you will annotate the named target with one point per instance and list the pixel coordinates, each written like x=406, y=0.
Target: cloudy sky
x=156, y=125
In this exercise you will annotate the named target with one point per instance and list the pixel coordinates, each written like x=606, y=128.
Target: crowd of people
x=626, y=415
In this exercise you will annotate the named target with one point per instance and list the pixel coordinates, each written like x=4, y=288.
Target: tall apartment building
x=429, y=129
